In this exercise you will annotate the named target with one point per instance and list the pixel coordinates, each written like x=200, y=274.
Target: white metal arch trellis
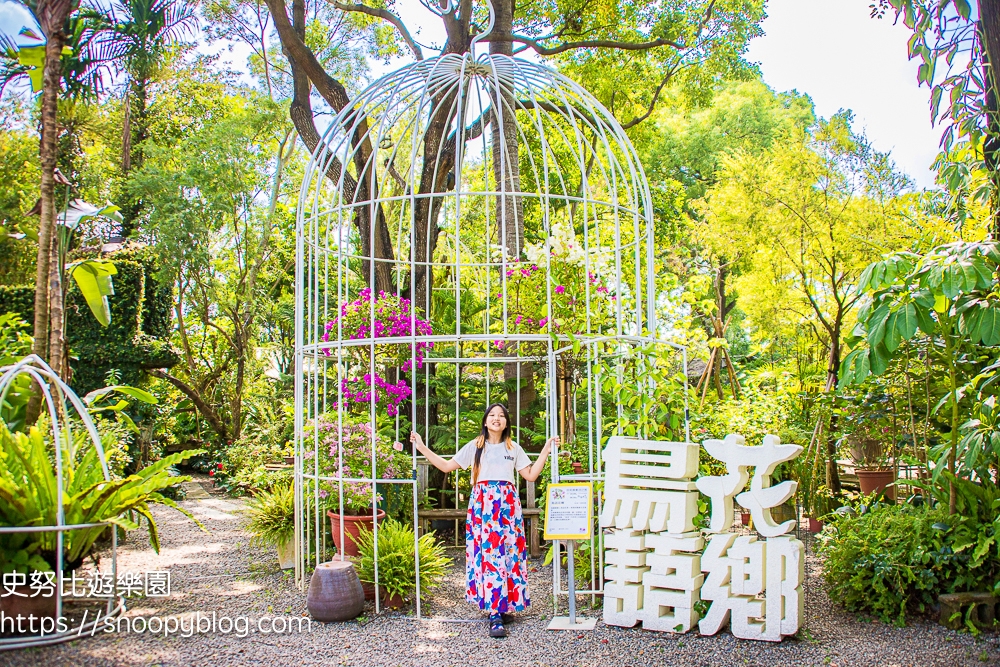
x=457, y=155
x=58, y=398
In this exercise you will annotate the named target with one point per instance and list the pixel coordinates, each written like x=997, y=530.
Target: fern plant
x=396, y=568
x=30, y=496
x=272, y=516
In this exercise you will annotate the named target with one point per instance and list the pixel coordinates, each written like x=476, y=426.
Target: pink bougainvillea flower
x=560, y=289
x=398, y=446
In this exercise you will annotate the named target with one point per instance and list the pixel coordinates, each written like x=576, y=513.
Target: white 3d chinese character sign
x=658, y=564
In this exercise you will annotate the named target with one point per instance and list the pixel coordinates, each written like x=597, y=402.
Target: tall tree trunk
x=51, y=15
x=832, y=377
x=519, y=377
x=307, y=73
x=57, y=315
x=48, y=155
x=135, y=131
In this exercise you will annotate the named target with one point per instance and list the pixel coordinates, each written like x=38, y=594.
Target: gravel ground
x=219, y=572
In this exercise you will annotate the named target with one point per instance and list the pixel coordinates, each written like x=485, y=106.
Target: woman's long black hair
x=484, y=434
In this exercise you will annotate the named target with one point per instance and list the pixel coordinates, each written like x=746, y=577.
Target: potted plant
x=30, y=496
x=272, y=522
x=345, y=452
x=868, y=431
x=819, y=505
x=397, y=573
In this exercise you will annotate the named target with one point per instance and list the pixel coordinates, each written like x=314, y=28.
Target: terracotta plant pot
x=352, y=528
x=290, y=460
x=14, y=604
x=745, y=518
x=813, y=525
x=392, y=601
x=875, y=480
x=286, y=555
x=335, y=592
x=577, y=468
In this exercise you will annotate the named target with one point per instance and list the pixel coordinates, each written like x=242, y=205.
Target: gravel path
x=219, y=572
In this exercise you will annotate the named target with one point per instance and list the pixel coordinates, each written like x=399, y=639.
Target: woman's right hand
x=415, y=438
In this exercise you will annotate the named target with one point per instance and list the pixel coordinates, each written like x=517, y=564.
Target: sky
x=833, y=51
x=830, y=49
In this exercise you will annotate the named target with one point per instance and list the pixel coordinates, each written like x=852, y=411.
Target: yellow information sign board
x=569, y=511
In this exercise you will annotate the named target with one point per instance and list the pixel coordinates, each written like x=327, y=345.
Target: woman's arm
x=438, y=462
x=532, y=472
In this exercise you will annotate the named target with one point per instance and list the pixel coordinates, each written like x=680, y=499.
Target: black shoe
x=496, y=627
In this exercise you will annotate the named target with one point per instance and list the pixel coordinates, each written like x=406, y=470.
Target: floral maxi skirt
x=495, y=562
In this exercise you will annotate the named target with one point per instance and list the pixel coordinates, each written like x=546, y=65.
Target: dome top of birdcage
x=394, y=121
x=461, y=165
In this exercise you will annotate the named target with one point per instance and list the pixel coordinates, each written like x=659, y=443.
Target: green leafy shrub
x=272, y=516
x=396, y=569
x=138, y=337
x=30, y=496
x=896, y=559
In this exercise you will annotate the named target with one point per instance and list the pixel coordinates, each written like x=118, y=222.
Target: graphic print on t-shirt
x=497, y=463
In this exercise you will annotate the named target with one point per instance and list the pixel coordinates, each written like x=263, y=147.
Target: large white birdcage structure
x=471, y=229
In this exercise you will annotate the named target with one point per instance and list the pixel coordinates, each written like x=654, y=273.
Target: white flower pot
x=286, y=555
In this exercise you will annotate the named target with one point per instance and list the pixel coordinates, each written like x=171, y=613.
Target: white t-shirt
x=497, y=463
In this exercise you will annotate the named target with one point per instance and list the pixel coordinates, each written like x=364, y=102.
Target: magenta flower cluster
x=392, y=319
x=354, y=391
x=348, y=453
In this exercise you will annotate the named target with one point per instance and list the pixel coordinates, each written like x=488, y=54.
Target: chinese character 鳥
x=157, y=584
x=647, y=485
x=658, y=566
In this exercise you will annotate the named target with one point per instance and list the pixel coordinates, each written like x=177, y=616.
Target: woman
x=495, y=560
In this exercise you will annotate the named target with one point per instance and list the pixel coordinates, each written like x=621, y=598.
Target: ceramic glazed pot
x=335, y=592
x=352, y=527
x=874, y=480
x=286, y=555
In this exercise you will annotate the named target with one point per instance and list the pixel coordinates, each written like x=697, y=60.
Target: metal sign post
x=571, y=622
